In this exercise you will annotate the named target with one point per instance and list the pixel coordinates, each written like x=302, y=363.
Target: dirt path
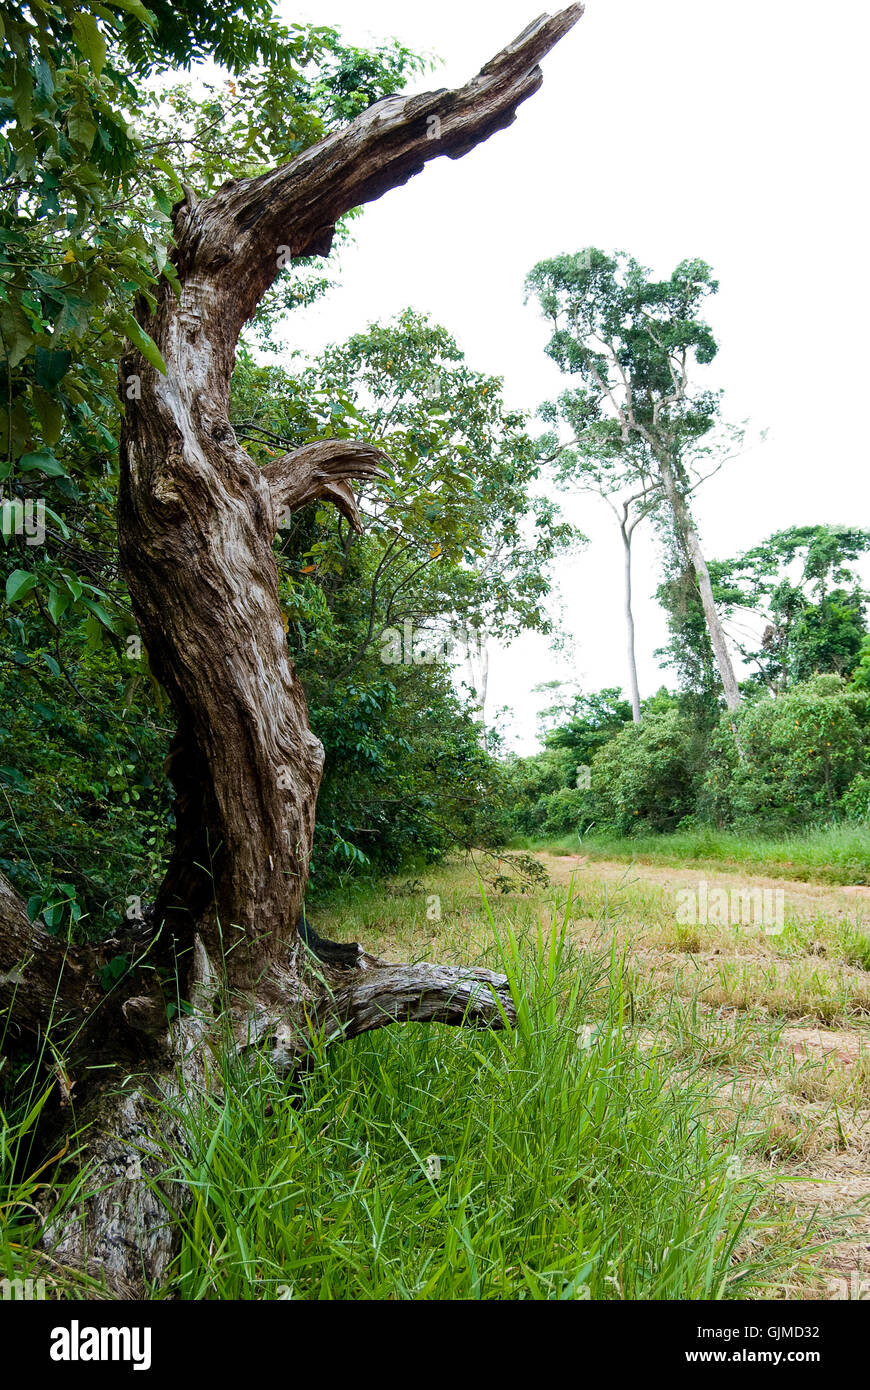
x=808, y=899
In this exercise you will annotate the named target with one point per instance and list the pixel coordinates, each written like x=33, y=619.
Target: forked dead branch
x=197, y=519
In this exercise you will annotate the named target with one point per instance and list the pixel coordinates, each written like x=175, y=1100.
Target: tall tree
x=455, y=548
x=197, y=519
x=91, y=161
x=689, y=651
x=581, y=722
x=597, y=459
x=463, y=543
x=632, y=341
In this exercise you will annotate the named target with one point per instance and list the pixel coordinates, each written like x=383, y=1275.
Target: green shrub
x=861, y=672
x=564, y=811
x=800, y=751
x=85, y=806
x=856, y=798
x=647, y=776
x=527, y=787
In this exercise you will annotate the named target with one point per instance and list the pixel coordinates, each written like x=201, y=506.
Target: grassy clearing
x=672, y=1118
x=832, y=854
x=816, y=966
x=557, y=1161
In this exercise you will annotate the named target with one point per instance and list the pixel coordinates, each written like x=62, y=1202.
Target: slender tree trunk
x=196, y=520
x=627, y=533
x=477, y=663
x=686, y=529
x=484, y=681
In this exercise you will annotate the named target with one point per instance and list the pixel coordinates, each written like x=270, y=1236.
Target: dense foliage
x=801, y=754
x=795, y=606
x=803, y=759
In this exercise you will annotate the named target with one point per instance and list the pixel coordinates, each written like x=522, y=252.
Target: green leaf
x=57, y=605
x=165, y=167
x=53, y=916
x=19, y=583
x=17, y=332
x=74, y=315
x=45, y=461
x=59, y=522
x=95, y=634
x=43, y=87
x=50, y=415
x=113, y=971
x=90, y=40
x=136, y=7
x=73, y=583
x=81, y=130
x=99, y=612
x=148, y=348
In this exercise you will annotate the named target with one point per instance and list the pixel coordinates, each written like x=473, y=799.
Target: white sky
x=667, y=128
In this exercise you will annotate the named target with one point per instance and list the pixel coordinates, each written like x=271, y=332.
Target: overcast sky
x=666, y=128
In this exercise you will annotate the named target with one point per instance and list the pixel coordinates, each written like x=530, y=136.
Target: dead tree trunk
x=197, y=519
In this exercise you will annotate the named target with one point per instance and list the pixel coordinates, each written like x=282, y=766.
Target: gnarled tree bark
x=196, y=520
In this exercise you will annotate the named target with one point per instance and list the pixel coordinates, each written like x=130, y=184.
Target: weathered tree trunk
x=197, y=519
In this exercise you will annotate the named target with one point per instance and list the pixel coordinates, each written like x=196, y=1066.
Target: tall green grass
x=34, y=1192
x=829, y=854
x=25, y=1183
x=550, y=1161
x=565, y=1158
